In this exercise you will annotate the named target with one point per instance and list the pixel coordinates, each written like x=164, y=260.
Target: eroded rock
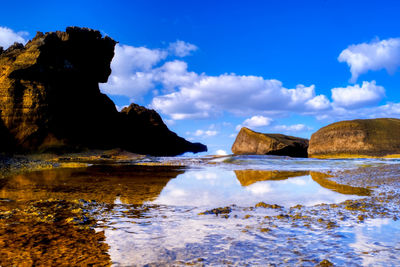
x=250, y=142
x=357, y=138
x=50, y=99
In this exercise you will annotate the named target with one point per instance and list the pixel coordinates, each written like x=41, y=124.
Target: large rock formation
x=50, y=99
x=250, y=142
x=357, y=138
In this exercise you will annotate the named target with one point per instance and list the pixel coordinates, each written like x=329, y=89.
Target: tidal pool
x=224, y=211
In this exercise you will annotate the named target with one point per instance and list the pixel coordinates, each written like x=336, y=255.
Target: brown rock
x=357, y=138
x=249, y=177
x=50, y=98
x=250, y=142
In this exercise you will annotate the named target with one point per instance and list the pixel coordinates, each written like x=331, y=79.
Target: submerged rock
x=250, y=142
x=357, y=138
x=50, y=99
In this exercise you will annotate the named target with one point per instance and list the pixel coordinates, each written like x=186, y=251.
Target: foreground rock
x=357, y=138
x=50, y=99
x=250, y=142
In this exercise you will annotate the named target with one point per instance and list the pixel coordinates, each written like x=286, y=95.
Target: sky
x=212, y=67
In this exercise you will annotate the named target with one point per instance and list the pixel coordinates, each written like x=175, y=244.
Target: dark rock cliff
x=50, y=99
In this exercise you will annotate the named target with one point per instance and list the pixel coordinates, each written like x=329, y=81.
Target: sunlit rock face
x=250, y=142
x=357, y=138
x=50, y=98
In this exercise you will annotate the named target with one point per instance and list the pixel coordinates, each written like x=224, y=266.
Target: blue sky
x=210, y=67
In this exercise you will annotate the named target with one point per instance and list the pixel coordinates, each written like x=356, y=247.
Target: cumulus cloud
x=181, y=48
x=8, y=37
x=182, y=94
x=206, y=133
x=257, y=121
x=221, y=152
x=357, y=96
x=138, y=70
x=375, y=55
x=174, y=74
x=292, y=128
x=319, y=103
x=254, y=122
x=132, y=73
x=211, y=95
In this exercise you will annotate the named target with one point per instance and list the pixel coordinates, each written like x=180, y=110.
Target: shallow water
x=241, y=210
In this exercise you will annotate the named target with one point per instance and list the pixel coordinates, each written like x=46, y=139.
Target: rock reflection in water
x=150, y=215
x=323, y=180
x=216, y=187
x=44, y=220
x=248, y=177
x=102, y=183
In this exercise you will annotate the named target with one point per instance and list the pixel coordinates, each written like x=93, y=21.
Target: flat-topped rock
x=357, y=139
x=250, y=142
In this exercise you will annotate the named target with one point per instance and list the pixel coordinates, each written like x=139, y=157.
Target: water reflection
x=376, y=241
x=323, y=180
x=102, y=183
x=150, y=215
x=215, y=187
x=248, y=177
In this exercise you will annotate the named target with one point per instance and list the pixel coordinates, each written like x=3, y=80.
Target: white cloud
x=173, y=74
x=356, y=96
x=181, y=94
x=132, y=73
x=221, y=152
x=181, y=48
x=257, y=121
x=320, y=102
x=207, y=133
x=292, y=128
x=211, y=95
x=8, y=37
x=375, y=55
x=254, y=122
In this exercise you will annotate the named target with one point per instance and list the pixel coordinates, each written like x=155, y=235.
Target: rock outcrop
x=161, y=141
x=250, y=142
x=50, y=99
x=357, y=138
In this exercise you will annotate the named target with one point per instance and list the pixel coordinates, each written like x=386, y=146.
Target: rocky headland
x=50, y=100
x=250, y=142
x=357, y=139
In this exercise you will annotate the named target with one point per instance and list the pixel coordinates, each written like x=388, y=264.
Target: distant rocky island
x=50, y=100
x=344, y=139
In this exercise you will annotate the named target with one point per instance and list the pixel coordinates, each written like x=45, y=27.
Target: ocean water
x=233, y=210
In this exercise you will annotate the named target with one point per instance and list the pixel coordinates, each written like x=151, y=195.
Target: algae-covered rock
x=357, y=138
x=250, y=142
